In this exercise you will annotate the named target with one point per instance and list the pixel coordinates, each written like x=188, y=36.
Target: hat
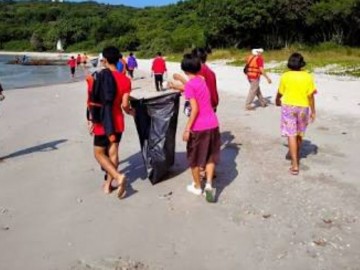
x=257, y=51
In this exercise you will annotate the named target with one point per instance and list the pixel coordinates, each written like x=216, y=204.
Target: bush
x=81, y=46
x=17, y=45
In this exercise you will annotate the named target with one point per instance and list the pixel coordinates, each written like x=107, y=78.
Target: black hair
x=191, y=64
x=131, y=54
x=200, y=53
x=296, y=61
x=159, y=53
x=111, y=54
x=120, y=56
x=72, y=57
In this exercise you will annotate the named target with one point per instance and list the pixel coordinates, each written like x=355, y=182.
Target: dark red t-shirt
x=123, y=84
x=210, y=79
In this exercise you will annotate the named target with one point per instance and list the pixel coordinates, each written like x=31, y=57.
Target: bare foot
x=107, y=187
x=121, y=190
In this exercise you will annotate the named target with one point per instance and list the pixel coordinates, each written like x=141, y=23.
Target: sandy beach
x=53, y=214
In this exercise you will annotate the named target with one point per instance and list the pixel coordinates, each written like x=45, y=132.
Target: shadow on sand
x=307, y=148
x=45, y=147
x=226, y=171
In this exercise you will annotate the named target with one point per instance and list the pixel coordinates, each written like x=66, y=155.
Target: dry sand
x=53, y=214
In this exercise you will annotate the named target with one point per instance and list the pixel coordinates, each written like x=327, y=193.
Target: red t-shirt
x=72, y=63
x=159, y=66
x=210, y=79
x=123, y=84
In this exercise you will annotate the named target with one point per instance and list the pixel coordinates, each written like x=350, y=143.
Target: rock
x=166, y=195
x=266, y=216
x=320, y=242
x=79, y=200
x=5, y=228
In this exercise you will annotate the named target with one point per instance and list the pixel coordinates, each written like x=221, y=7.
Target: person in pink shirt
x=202, y=129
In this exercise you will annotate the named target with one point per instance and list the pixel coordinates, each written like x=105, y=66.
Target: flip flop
x=121, y=190
x=294, y=171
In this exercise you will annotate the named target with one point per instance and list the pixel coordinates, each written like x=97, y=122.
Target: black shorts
x=72, y=70
x=103, y=140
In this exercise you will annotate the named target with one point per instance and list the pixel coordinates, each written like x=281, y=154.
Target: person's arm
x=312, y=107
x=278, y=99
x=191, y=120
x=263, y=72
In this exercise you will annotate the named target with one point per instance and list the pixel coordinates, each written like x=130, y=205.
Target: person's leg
x=196, y=176
x=161, y=82
x=210, y=170
x=106, y=163
x=254, y=85
x=114, y=158
x=299, y=142
x=293, y=148
x=262, y=100
x=157, y=82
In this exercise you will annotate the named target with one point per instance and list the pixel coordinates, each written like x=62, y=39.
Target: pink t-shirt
x=206, y=119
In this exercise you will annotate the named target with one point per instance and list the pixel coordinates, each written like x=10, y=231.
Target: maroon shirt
x=210, y=79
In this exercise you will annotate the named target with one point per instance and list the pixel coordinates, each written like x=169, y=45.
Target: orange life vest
x=253, y=70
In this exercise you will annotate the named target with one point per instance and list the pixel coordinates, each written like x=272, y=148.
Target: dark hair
x=296, y=61
x=131, y=54
x=200, y=53
x=111, y=54
x=191, y=64
x=72, y=57
x=120, y=56
x=159, y=53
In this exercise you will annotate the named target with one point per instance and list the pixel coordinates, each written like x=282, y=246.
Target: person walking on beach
x=158, y=69
x=78, y=60
x=113, y=90
x=297, y=101
x=209, y=76
x=131, y=65
x=202, y=129
x=72, y=64
x=254, y=69
x=121, y=65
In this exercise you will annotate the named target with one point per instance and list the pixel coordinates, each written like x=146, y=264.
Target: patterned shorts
x=294, y=120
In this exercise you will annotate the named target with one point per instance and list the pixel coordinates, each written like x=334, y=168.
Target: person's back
x=131, y=62
x=159, y=65
x=210, y=79
x=254, y=62
x=295, y=88
x=206, y=119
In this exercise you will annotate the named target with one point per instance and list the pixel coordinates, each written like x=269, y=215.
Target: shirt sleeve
x=260, y=62
x=127, y=86
x=189, y=92
x=312, y=87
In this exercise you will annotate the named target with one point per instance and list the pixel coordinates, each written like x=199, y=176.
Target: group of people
x=199, y=87
x=80, y=60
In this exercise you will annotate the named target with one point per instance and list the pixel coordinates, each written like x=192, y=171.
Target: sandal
x=294, y=171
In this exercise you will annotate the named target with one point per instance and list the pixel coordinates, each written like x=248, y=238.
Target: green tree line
x=273, y=24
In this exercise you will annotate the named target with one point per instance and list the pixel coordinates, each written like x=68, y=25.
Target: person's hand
x=186, y=135
x=269, y=80
x=178, y=77
x=312, y=117
x=131, y=112
x=2, y=97
x=90, y=128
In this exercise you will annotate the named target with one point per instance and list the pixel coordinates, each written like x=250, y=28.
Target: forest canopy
x=272, y=24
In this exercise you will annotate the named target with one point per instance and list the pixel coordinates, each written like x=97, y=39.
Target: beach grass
x=330, y=58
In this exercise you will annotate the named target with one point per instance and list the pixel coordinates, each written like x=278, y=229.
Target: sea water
x=22, y=76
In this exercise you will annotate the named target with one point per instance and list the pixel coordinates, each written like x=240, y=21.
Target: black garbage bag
x=156, y=122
